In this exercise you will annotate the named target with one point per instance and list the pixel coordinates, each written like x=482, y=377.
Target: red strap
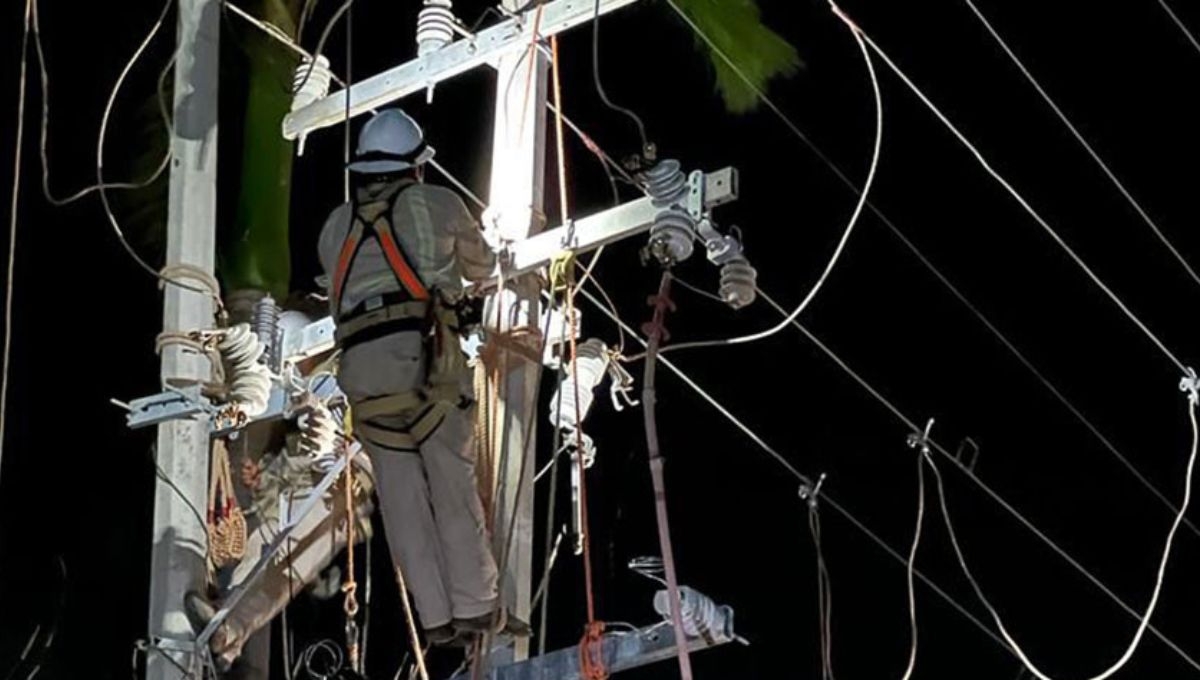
x=349, y=248
x=400, y=267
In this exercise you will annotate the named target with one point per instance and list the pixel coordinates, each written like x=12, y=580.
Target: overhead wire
x=102, y=185
x=45, y=129
x=892, y=228
x=1179, y=23
x=1162, y=566
x=12, y=226
x=1083, y=142
x=1004, y=183
x=803, y=479
x=629, y=113
x=841, y=245
x=970, y=474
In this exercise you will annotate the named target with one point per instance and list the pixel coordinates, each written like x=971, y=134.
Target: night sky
x=76, y=486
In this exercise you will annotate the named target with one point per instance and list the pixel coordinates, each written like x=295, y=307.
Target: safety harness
x=413, y=308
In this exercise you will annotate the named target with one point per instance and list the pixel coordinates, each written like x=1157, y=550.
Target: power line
x=978, y=482
x=799, y=476
x=1087, y=146
x=837, y=252
x=928, y=264
x=1179, y=22
x=45, y=130
x=983, y=162
x=1145, y=619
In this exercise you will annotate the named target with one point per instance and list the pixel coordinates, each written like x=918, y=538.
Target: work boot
x=505, y=623
x=200, y=611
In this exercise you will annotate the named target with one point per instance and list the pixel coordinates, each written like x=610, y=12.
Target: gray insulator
x=671, y=236
x=435, y=26
x=666, y=183
x=738, y=282
x=701, y=617
x=266, y=327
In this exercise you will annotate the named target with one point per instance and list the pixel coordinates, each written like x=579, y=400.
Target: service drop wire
x=987, y=166
x=837, y=252
x=1190, y=387
x=891, y=226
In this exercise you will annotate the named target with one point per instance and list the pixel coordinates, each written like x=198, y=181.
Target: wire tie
x=921, y=440
x=809, y=494
x=1190, y=384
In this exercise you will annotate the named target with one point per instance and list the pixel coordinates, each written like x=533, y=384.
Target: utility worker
x=395, y=258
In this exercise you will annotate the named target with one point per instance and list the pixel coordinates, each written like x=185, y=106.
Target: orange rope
x=591, y=658
x=350, y=586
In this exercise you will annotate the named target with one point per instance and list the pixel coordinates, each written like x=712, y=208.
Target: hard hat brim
x=379, y=167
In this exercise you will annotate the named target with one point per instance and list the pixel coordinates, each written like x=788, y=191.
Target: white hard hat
x=390, y=142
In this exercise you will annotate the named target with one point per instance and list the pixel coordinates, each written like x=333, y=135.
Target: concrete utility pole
x=517, y=197
x=178, y=555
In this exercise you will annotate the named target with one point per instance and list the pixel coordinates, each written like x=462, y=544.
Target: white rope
x=912, y=558
x=983, y=162
x=984, y=487
x=1179, y=22
x=928, y=264
x=837, y=252
x=1087, y=146
x=1162, y=566
x=12, y=228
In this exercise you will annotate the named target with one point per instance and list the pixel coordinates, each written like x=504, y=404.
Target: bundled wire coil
x=249, y=380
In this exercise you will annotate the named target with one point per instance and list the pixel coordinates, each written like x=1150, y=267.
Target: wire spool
x=248, y=379
x=435, y=26
x=739, y=282
x=591, y=363
x=702, y=618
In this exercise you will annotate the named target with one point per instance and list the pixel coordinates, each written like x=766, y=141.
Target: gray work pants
x=428, y=497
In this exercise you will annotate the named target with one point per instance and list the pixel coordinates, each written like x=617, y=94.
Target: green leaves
x=736, y=29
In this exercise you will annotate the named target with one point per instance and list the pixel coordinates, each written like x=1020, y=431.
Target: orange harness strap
x=381, y=233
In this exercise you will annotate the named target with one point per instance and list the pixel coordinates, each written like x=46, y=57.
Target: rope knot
x=591, y=652
x=1190, y=384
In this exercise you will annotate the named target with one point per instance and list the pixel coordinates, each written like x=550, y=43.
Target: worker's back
x=438, y=237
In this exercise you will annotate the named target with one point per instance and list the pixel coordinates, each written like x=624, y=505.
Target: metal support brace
x=418, y=75
x=622, y=651
x=317, y=496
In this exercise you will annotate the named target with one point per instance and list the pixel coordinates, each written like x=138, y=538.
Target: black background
x=77, y=485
